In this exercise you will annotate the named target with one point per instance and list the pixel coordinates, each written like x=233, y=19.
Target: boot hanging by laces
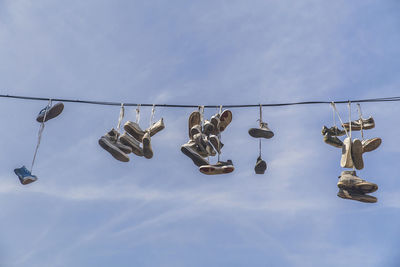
x=41, y=129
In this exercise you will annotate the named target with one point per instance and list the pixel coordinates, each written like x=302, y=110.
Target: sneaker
x=356, y=196
x=194, y=119
x=111, y=146
x=113, y=136
x=221, y=167
x=210, y=150
x=215, y=121
x=134, y=144
x=224, y=120
x=332, y=140
x=346, y=160
x=348, y=180
x=25, y=176
x=356, y=125
x=217, y=144
x=201, y=144
x=371, y=144
x=261, y=166
x=189, y=149
x=156, y=127
x=147, y=151
x=208, y=127
x=262, y=132
x=356, y=154
x=333, y=131
x=134, y=130
x=52, y=112
x=195, y=130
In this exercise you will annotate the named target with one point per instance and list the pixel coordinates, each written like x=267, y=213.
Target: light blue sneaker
x=25, y=176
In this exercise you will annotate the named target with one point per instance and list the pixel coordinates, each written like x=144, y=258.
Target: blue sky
x=88, y=209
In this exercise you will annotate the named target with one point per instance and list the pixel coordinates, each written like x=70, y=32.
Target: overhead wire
x=106, y=103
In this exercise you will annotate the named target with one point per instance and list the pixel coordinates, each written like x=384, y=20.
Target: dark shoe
x=25, y=176
x=356, y=125
x=333, y=131
x=134, y=144
x=189, y=149
x=52, y=112
x=134, y=130
x=262, y=132
x=147, y=151
x=217, y=144
x=208, y=127
x=346, y=194
x=221, y=167
x=348, y=180
x=371, y=144
x=356, y=154
x=111, y=147
x=261, y=166
x=333, y=141
x=156, y=127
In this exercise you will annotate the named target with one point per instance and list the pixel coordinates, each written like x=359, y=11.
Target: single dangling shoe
x=371, y=144
x=52, y=112
x=224, y=120
x=333, y=131
x=24, y=175
x=352, y=195
x=261, y=166
x=262, y=132
x=332, y=140
x=156, y=127
x=356, y=125
x=147, y=150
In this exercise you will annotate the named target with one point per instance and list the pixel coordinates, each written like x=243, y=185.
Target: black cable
x=384, y=99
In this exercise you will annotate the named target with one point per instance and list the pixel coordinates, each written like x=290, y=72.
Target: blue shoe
x=52, y=112
x=24, y=175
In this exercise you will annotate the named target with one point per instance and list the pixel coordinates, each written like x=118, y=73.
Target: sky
x=88, y=209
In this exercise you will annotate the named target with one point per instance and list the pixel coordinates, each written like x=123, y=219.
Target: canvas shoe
x=217, y=144
x=25, y=176
x=371, y=144
x=52, y=112
x=134, y=130
x=224, y=120
x=261, y=166
x=221, y=167
x=201, y=144
x=194, y=119
x=156, y=127
x=208, y=127
x=189, y=149
x=333, y=140
x=356, y=125
x=113, y=136
x=195, y=130
x=346, y=160
x=356, y=154
x=215, y=121
x=346, y=194
x=147, y=151
x=333, y=131
x=110, y=145
x=134, y=144
x=348, y=180
x=262, y=132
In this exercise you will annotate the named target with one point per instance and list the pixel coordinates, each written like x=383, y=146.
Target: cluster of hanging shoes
x=350, y=185
x=205, y=141
x=49, y=112
x=134, y=140
x=261, y=132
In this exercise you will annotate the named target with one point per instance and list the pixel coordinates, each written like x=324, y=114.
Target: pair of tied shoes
x=353, y=187
x=352, y=151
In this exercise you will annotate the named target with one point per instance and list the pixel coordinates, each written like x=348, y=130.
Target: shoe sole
x=130, y=128
x=356, y=154
x=53, y=112
x=372, y=144
x=358, y=197
x=367, y=187
x=119, y=155
x=224, y=120
x=346, y=160
x=194, y=119
x=258, y=133
x=213, y=170
x=197, y=160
